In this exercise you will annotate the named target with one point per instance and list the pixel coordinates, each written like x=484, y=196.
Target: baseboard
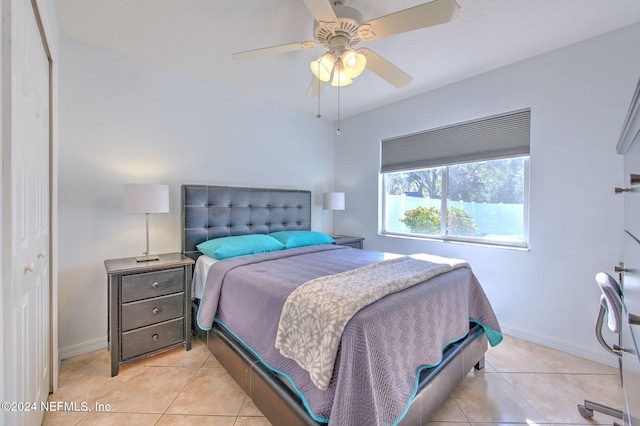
x=590, y=353
x=82, y=348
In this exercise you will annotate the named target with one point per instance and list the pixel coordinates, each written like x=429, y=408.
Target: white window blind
x=500, y=136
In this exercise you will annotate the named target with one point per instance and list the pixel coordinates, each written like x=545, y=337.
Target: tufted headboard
x=220, y=211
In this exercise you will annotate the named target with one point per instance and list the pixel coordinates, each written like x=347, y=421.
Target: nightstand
x=149, y=306
x=343, y=240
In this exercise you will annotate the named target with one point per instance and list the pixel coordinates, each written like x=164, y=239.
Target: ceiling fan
x=339, y=29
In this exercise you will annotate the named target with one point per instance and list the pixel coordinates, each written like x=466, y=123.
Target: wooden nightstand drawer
x=152, y=338
x=152, y=284
x=151, y=311
x=355, y=242
x=357, y=245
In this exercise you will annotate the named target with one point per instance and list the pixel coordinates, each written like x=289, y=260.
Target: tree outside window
x=485, y=201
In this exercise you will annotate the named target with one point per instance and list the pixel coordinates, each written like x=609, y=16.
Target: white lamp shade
x=322, y=67
x=146, y=198
x=340, y=77
x=333, y=201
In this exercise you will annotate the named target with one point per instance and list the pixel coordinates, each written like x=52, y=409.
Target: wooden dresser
x=629, y=146
x=149, y=306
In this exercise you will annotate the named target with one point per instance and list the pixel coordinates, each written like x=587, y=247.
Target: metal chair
x=611, y=307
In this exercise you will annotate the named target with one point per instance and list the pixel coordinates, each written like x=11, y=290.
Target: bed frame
x=218, y=211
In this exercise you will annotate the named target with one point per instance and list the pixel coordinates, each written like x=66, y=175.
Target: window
x=467, y=182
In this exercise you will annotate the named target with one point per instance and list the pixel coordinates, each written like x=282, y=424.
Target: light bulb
x=340, y=77
x=354, y=63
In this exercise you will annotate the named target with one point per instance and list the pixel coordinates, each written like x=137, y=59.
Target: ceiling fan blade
x=315, y=88
x=274, y=50
x=321, y=10
x=435, y=12
x=386, y=69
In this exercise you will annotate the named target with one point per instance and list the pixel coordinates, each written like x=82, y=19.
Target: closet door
x=27, y=360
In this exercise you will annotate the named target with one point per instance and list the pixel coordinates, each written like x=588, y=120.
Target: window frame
x=443, y=237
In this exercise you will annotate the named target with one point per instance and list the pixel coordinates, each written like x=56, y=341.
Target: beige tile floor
x=523, y=383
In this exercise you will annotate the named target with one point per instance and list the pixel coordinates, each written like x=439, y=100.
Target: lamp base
x=147, y=258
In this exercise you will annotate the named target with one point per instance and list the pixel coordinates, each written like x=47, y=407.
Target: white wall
x=124, y=121
x=578, y=97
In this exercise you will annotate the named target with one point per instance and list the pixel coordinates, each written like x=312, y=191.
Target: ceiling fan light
x=354, y=63
x=340, y=77
x=322, y=67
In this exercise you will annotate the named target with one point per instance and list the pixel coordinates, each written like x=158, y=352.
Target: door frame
x=53, y=291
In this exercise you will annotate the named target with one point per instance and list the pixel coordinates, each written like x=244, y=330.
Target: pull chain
x=318, y=115
x=338, y=123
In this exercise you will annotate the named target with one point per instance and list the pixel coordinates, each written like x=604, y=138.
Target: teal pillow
x=292, y=239
x=241, y=245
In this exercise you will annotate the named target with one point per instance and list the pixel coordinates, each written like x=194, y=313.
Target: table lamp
x=146, y=198
x=333, y=201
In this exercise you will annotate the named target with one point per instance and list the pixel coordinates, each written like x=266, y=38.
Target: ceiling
x=197, y=37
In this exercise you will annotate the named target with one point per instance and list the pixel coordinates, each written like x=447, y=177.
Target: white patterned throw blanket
x=316, y=313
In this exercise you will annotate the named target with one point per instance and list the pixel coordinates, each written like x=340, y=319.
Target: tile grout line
x=516, y=391
x=241, y=405
x=181, y=390
x=555, y=371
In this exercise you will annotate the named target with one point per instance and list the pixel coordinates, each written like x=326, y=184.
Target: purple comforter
x=383, y=345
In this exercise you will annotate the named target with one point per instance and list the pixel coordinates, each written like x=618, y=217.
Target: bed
x=279, y=387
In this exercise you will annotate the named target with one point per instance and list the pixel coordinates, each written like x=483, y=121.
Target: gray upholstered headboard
x=220, y=211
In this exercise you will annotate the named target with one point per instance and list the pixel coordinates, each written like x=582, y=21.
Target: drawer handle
x=155, y=337
x=633, y=320
x=155, y=284
x=154, y=311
